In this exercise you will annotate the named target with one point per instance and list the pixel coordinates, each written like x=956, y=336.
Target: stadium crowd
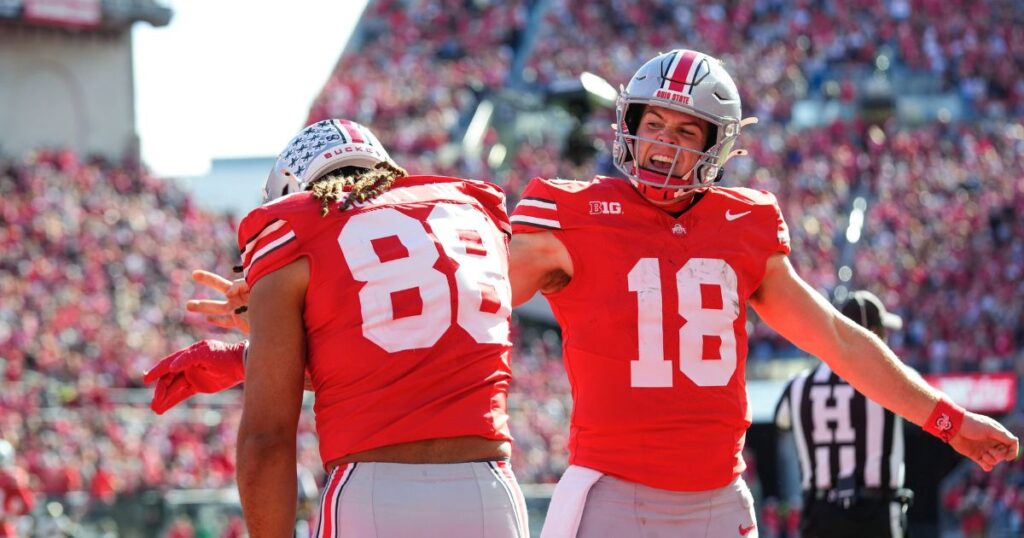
x=93, y=278
x=977, y=52
x=944, y=239
x=97, y=254
x=448, y=53
x=986, y=504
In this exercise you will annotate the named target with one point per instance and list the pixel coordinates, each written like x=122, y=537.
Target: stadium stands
x=97, y=254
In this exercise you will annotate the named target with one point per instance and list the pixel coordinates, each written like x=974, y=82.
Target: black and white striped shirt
x=842, y=438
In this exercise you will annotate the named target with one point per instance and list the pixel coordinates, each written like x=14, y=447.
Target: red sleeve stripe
x=270, y=228
x=538, y=202
x=270, y=247
x=536, y=221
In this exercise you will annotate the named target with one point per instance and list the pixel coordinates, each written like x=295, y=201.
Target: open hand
x=229, y=313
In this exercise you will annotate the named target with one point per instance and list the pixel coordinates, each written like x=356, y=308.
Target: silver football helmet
x=686, y=81
x=322, y=147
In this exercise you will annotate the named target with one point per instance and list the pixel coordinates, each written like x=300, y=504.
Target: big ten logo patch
x=605, y=208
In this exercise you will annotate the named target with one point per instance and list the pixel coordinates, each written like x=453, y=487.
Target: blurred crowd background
x=96, y=254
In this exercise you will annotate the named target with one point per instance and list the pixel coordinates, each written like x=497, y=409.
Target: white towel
x=567, y=502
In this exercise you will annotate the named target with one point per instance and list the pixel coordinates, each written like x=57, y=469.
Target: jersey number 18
x=708, y=327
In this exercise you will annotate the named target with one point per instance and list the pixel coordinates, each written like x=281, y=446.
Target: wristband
x=945, y=420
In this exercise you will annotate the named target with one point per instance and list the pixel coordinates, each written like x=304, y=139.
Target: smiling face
x=660, y=129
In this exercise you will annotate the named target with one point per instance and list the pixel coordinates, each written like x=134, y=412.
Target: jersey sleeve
x=537, y=210
x=769, y=228
x=267, y=242
x=492, y=199
x=781, y=229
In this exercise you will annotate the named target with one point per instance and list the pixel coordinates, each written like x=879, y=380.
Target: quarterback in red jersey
x=391, y=293
x=650, y=279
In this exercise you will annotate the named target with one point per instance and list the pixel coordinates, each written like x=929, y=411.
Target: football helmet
x=322, y=147
x=686, y=81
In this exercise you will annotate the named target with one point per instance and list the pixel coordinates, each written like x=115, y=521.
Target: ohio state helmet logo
x=679, y=73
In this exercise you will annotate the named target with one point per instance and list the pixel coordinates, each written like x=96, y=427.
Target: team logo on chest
x=678, y=229
x=605, y=208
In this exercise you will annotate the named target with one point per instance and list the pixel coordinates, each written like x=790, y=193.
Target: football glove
x=206, y=366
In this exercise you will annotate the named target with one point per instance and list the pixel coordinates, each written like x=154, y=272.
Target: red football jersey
x=407, y=310
x=653, y=324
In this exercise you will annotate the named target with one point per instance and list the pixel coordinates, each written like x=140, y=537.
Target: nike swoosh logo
x=729, y=216
x=746, y=531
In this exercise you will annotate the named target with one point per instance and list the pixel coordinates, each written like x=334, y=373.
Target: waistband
x=427, y=471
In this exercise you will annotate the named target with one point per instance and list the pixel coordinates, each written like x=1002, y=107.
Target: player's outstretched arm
x=537, y=262
x=229, y=313
x=207, y=366
x=800, y=314
x=273, y=400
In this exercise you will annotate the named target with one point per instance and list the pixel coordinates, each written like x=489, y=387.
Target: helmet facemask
x=705, y=171
x=691, y=83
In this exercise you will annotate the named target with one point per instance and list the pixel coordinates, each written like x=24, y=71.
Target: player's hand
x=985, y=441
x=206, y=366
x=229, y=313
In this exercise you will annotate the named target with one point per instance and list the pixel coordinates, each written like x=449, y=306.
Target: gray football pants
x=594, y=505
x=385, y=500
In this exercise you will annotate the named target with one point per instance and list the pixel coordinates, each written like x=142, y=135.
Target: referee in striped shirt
x=850, y=448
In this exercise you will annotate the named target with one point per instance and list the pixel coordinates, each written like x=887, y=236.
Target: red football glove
x=206, y=366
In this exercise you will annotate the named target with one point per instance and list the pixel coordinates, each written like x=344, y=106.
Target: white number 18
x=706, y=326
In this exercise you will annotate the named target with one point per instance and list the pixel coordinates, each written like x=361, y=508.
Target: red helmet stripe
x=352, y=129
x=680, y=71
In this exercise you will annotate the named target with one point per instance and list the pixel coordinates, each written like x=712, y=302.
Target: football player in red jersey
x=650, y=279
x=391, y=291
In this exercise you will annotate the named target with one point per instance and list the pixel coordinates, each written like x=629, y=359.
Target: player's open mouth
x=659, y=163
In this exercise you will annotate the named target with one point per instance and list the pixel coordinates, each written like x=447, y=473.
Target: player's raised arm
x=800, y=314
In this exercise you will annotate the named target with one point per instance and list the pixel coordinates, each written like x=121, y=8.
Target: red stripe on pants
x=327, y=505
